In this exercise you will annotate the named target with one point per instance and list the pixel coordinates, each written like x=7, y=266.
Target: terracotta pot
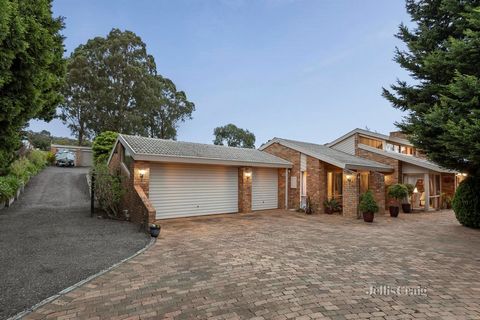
x=406, y=207
x=394, y=210
x=368, y=216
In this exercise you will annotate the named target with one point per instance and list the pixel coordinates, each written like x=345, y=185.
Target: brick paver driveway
x=287, y=265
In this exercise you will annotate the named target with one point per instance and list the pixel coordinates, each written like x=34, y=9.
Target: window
x=391, y=147
x=126, y=157
x=371, y=142
x=364, y=176
x=334, y=185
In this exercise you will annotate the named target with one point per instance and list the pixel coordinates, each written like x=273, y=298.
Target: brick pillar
x=144, y=182
x=282, y=173
x=244, y=189
x=350, y=194
x=376, y=183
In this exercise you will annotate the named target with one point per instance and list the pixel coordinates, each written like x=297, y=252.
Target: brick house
x=410, y=165
x=321, y=173
x=170, y=179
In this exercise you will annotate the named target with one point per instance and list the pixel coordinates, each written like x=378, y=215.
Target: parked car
x=65, y=159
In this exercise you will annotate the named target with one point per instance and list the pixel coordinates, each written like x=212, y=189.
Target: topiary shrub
x=103, y=145
x=397, y=191
x=108, y=190
x=466, y=203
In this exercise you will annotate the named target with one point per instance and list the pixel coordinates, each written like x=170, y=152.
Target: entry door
x=193, y=190
x=264, y=189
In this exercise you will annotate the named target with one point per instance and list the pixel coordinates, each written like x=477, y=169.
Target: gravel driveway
x=49, y=242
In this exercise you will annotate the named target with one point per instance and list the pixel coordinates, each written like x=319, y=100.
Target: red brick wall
x=281, y=188
x=244, y=190
x=392, y=178
x=294, y=157
x=135, y=199
x=350, y=194
x=448, y=183
x=376, y=183
x=316, y=183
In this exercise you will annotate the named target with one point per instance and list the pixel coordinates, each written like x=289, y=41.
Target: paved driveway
x=286, y=265
x=49, y=242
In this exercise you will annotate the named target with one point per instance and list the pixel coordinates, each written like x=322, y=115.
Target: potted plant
x=407, y=207
x=154, y=230
x=397, y=191
x=308, y=206
x=446, y=201
x=331, y=206
x=368, y=206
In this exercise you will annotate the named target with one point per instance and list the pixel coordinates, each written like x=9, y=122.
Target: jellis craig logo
x=386, y=290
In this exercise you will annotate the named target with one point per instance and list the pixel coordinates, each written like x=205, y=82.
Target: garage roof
x=334, y=157
x=160, y=150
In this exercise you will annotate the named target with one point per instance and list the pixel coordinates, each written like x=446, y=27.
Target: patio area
x=282, y=265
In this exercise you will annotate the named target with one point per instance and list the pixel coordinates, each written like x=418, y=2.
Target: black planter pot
x=155, y=231
x=406, y=207
x=368, y=216
x=394, y=211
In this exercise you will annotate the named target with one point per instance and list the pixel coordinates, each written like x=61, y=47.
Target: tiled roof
x=371, y=134
x=153, y=147
x=332, y=156
x=406, y=158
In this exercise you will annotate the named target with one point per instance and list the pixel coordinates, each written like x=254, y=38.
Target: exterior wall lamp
x=248, y=174
x=349, y=177
x=142, y=174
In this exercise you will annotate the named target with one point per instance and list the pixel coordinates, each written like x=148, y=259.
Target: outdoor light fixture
x=415, y=190
x=142, y=174
x=248, y=174
x=349, y=177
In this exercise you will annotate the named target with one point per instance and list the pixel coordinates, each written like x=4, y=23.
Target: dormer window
x=371, y=142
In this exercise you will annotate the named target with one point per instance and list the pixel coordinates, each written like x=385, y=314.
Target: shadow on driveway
x=49, y=242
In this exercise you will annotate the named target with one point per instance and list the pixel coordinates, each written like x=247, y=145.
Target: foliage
x=309, y=206
x=108, y=190
x=112, y=84
x=443, y=100
x=368, y=203
x=103, y=145
x=410, y=187
x=168, y=108
x=8, y=187
x=38, y=158
x=31, y=69
x=43, y=140
x=397, y=191
x=51, y=158
x=233, y=136
x=333, y=205
x=466, y=202
x=446, y=201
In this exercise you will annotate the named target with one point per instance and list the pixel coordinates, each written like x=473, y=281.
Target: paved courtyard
x=282, y=265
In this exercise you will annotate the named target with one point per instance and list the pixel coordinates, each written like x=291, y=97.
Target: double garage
x=179, y=190
x=185, y=179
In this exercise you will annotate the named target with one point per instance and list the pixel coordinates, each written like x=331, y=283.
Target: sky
x=308, y=70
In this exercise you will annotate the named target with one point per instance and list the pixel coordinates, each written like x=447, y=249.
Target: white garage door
x=264, y=189
x=193, y=190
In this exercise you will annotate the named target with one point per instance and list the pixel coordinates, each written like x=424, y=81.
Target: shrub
x=466, y=202
x=103, y=145
x=108, y=190
x=8, y=187
x=368, y=203
x=38, y=158
x=50, y=158
x=397, y=191
x=23, y=169
x=332, y=205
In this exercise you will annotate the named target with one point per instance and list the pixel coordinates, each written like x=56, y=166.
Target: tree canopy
x=442, y=101
x=113, y=85
x=233, y=136
x=31, y=68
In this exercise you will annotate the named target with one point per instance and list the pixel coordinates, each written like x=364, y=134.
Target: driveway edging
x=80, y=283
